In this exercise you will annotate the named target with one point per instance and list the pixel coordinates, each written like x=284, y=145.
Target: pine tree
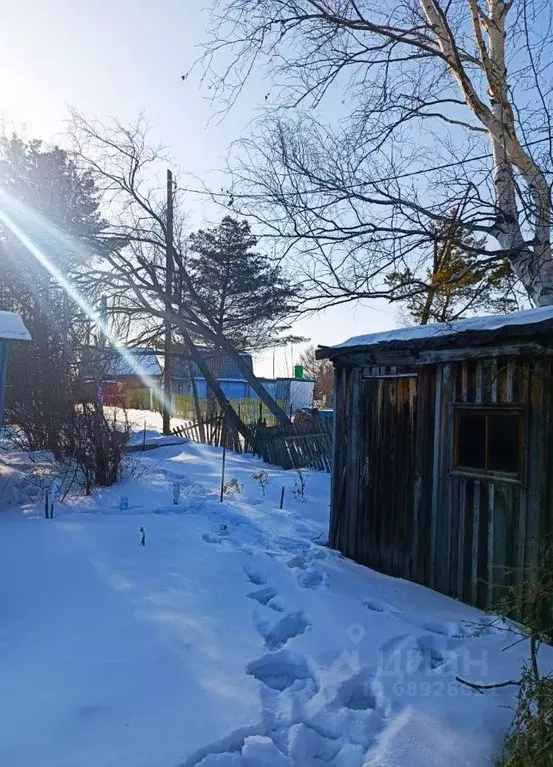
x=455, y=283
x=244, y=295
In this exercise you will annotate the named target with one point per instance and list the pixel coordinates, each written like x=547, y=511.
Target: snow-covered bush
x=232, y=487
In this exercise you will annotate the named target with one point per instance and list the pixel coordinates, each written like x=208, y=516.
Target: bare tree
x=385, y=116
x=323, y=373
x=123, y=164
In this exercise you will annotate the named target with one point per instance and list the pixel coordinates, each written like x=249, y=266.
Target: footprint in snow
x=268, y=598
x=357, y=693
x=280, y=670
x=407, y=654
x=254, y=576
x=444, y=628
x=311, y=578
x=375, y=606
x=432, y=655
x=278, y=634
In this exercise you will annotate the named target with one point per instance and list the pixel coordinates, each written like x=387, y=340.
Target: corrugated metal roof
x=131, y=362
x=219, y=363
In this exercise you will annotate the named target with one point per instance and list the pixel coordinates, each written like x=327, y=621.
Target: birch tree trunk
x=358, y=198
x=533, y=266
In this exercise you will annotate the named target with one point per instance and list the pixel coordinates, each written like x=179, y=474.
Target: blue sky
x=122, y=57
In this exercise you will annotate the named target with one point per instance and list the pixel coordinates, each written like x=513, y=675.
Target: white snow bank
x=233, y=638
x=472, y=324
x=12, y=327
x=418, y=740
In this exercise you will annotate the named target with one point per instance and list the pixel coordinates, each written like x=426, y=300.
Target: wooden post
x=223, y=471
x=282, y=497
x=168, y=297
x=197, y=408
x=211, y=381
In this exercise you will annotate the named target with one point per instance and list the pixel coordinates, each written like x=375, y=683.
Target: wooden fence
x=291, y=446
x=211, y=431
x=294, y=446
x=250, y=409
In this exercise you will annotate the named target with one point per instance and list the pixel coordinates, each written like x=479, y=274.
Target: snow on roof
x=12, y=327
x=134, y=362
x=445, y=330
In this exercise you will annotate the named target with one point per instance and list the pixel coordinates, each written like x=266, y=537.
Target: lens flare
x=19, y=210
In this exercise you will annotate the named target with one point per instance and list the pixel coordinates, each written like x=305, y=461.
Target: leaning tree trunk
x=253, y=381
x=197, y=408
x=221, y=342
x=228, y=411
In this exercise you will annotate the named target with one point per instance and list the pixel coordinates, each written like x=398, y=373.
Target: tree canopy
x=383, y=117
x=244, y=292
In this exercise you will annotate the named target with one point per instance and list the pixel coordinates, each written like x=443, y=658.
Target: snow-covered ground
x=233, y=638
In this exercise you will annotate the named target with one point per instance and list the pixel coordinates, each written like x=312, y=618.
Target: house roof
x=471, y=331
x=218, y=362
x=12, y=327
x=132, y=362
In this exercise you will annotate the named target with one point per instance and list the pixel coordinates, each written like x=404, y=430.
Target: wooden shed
x=443, y=451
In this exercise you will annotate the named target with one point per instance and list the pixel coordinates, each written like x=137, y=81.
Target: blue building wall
x=4, y=346
x=231, y=389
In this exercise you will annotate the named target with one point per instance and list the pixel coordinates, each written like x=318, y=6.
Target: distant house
x=443, y=451
x=122, y=372
x=11, y=329
x=115, y=374
x=294, y=393
x=221, y=365
x=291, y=393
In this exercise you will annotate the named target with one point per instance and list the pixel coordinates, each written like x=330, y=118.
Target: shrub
x=95, y=444
x=232, y=487
x=300, y=485
x=529, y=742
x=262, y=477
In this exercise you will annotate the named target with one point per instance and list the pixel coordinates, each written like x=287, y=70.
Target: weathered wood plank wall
x=397, y=504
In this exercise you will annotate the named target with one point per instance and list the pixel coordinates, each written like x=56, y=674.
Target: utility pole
x=168, y=296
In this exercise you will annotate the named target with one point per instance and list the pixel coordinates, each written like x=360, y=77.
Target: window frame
x=489, y=409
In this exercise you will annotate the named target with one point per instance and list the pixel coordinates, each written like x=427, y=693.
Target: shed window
x=488, y=440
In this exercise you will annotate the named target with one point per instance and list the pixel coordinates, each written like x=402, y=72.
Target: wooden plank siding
x=398, y=504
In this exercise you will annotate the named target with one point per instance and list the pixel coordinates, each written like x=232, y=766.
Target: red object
x=114, y=394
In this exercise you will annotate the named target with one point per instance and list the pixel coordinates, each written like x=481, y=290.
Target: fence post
x=223, y=472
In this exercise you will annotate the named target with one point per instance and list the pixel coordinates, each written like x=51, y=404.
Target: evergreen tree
x=244, y=295
x=454, y=284
x=56, y=206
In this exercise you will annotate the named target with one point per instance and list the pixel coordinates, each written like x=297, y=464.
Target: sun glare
x=12, y=209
